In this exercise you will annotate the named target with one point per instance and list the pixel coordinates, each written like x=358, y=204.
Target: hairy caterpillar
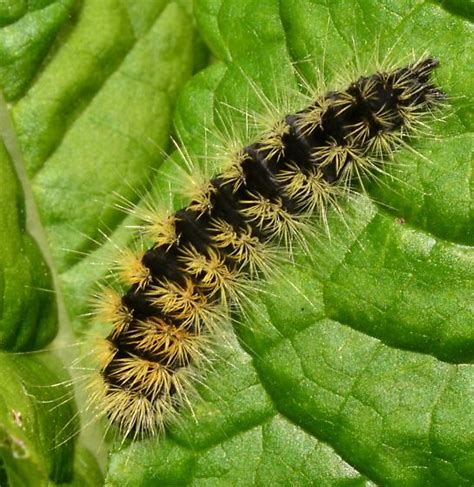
x=204, y=254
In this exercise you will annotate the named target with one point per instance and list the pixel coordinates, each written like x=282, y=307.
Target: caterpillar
x=202, y=256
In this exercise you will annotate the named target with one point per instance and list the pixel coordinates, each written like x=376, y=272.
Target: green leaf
x=355, y=366
x=36, y=424
x=28, y=318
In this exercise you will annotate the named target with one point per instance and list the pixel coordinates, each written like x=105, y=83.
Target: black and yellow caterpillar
x=203, y=254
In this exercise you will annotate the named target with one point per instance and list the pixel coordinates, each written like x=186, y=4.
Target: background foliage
x=355, y=366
